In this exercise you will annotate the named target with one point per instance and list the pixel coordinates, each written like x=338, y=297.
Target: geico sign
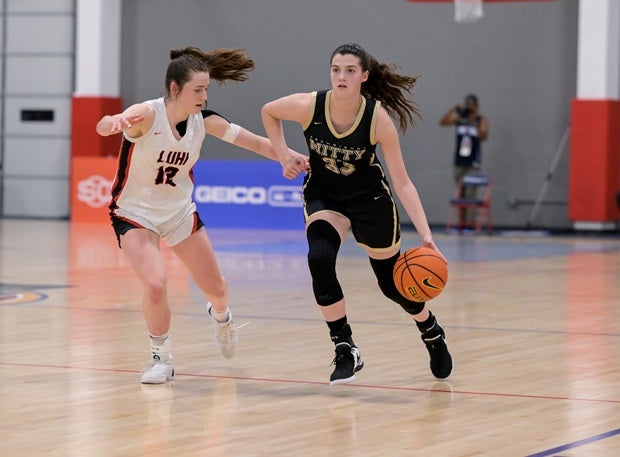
x=94, y=191
x=240, y=195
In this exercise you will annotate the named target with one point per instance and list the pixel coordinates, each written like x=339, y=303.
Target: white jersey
x=154, y=180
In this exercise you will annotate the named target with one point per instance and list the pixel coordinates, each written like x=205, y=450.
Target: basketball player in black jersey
x=346, y=188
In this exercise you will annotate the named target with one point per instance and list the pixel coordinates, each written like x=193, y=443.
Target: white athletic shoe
x=226, y=338
x=157, y=372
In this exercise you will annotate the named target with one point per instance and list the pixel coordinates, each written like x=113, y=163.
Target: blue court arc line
x=575, y=444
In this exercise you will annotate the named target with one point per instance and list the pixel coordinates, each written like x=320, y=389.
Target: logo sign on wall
x=91, y=180
x=247, y=194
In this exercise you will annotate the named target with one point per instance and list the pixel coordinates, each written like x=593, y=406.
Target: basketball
x=420, y=274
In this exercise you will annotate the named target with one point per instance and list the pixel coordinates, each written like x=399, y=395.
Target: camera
x=464, y=112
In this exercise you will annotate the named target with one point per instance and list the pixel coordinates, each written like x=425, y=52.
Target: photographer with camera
x=471, y=129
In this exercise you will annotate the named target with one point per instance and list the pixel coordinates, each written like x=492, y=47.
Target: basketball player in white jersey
x=152, y=192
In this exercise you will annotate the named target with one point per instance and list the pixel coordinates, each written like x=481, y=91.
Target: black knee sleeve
x=323, y=246
x=384, y=271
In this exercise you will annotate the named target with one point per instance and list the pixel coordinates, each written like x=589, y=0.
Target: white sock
x=220, y=316
x=161, y=347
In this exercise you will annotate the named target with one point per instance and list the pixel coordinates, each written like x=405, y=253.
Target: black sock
x=428, y=325
x=340, y=331
x=336, y=326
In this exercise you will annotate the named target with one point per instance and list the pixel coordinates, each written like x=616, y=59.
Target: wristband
x=231, y=133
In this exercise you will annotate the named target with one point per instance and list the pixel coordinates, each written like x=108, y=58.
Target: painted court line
x=575, y=444
x=352, y=385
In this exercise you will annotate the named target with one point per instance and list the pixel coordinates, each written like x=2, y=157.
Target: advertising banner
x=228, y=193
x=247, y=194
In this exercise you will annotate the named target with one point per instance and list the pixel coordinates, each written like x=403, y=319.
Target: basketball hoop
x=466, y=11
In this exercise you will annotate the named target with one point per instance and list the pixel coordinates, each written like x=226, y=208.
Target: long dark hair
x=386, y=85
x=221, y=64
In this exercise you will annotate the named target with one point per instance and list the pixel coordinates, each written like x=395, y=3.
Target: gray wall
x=37, y=62
x=520, y=60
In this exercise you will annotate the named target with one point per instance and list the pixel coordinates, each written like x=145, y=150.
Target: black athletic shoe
x=348, y=361
x=441, y=360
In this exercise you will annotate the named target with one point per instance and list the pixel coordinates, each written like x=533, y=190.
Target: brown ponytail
x=231, y=64
x=222, y=64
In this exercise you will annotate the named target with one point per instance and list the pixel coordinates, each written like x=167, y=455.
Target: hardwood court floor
x=533, y=325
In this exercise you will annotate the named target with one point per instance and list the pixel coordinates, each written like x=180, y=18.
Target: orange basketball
x=420, y=274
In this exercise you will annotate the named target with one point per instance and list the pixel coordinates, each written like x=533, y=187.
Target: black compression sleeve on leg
x=384, y=271
x=323, y=246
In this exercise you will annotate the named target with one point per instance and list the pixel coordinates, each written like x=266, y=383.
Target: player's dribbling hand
x=429, y=243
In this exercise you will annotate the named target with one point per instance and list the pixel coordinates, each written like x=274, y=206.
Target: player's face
x=194, y=93
x=471, y=104
x=347, y=74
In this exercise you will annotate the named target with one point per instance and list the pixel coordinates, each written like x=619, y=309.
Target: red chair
x=471, y=205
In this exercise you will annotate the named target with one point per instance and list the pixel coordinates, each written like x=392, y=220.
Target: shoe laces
x=226, y=331
x=342, y=353
x=156, y=365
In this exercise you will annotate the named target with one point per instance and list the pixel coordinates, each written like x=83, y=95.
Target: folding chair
x=472, y=198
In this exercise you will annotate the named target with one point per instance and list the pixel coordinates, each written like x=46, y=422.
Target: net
x=467, y=10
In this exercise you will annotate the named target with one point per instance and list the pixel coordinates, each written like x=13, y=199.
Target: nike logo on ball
x=427, y=283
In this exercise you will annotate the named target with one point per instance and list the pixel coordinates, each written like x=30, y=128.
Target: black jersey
x=342, y=166
x=468, y=152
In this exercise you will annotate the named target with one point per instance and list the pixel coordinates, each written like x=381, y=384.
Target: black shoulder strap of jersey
x=207, y=112
x=182, y=126
x=319, y=103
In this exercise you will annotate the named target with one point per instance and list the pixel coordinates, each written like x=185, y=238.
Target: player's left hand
x=295, y=165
